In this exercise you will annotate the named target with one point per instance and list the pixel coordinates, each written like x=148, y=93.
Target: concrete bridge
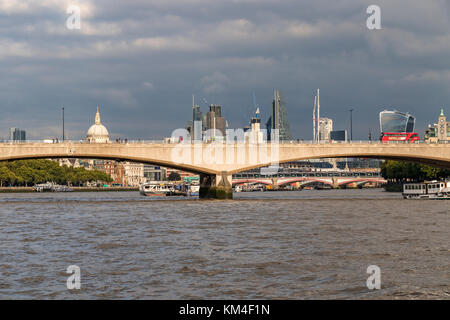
x=217, y=162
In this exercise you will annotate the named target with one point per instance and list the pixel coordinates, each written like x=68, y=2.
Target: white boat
x=156, y=189
x=51, y=187
x=194, y=189
x=444, y=194
x=427, y=190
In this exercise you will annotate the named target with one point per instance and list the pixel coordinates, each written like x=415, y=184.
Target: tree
x=6, y=176
x=401, y=171
x=30, y=172
x=174, y=176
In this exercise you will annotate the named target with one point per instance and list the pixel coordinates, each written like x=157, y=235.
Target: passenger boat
x=156, y=189
x=434, y=190
x=194, y=190
x=444, y=194
x=168, y=189
x=51, y=187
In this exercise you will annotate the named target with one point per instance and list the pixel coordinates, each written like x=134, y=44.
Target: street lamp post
x=351, y=124
x=63, y=130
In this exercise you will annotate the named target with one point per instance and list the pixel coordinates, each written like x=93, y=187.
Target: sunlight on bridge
x=217, y=162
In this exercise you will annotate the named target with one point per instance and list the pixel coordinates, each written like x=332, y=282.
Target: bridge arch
x=306, y=181
x=187, y=168
x=174, y=155
x=357, y=181
x=429, y=160
x=243, y=181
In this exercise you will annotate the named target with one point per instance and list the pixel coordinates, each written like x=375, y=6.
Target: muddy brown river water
x=272, y=245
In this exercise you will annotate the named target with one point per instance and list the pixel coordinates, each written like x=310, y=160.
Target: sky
x=142, y=60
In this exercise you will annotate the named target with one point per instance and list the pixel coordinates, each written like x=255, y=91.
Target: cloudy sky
x=141, y=61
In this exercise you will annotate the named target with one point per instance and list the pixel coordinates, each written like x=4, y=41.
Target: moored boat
x=194, y=190
x=444, y=194
x=434, y=190
x=156, y=189
x=169, y=189
x=51, y=187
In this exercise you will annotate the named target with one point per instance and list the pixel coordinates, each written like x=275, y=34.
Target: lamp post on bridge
x=63, y=130
x=351, y=125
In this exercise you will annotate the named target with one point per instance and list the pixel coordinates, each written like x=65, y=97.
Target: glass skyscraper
x=15, y=134
x=279, y=118
x=396, y=122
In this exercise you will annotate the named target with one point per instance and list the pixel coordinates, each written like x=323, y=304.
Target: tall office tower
x=279, y=118
x=269, y=128
x=325, y=128
x=210, y=120
x=214, y=119
x=196, y=113
x=216, y=109
x=254, y=133
x=16, y=134
x=197, y=122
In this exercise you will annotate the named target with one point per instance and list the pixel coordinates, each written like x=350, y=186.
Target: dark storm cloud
x=142, y=60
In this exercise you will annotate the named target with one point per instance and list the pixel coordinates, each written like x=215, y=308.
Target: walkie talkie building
x=396, y=122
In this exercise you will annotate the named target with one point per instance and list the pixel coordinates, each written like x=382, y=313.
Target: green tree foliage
x=400, y=171
x=31, y=172
x=174, y=176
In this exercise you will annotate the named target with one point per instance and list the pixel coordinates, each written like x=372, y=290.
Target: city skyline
x=197, y=108
x=142, y=61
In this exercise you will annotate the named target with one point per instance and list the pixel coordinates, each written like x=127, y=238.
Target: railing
x=368, y=175
x=361, y=142
x=83, y=142
x=283, y=142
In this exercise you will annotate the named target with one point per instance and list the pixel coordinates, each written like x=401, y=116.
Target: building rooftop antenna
x=257, y=111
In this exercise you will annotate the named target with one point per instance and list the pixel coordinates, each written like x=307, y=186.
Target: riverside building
x=439, y=131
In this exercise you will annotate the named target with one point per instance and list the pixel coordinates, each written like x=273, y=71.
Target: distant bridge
x=334, y=179
x=217, y=162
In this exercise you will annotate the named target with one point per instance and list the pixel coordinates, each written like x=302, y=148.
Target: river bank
x=393, y=187
x=75, y=189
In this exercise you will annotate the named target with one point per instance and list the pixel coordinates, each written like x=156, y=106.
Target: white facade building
x=325, y=128
x=134, y=173
x=254, y=135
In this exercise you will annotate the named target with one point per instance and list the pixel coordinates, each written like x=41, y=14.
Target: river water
x=271, y=245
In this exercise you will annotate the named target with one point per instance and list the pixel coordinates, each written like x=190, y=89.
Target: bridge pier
x=216, y=186
x=335, y=183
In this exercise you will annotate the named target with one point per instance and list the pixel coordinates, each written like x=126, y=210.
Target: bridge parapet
x=282, y=142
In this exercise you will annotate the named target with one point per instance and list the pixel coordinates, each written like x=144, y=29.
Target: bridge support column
x=216, y=186
x=335, y=183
